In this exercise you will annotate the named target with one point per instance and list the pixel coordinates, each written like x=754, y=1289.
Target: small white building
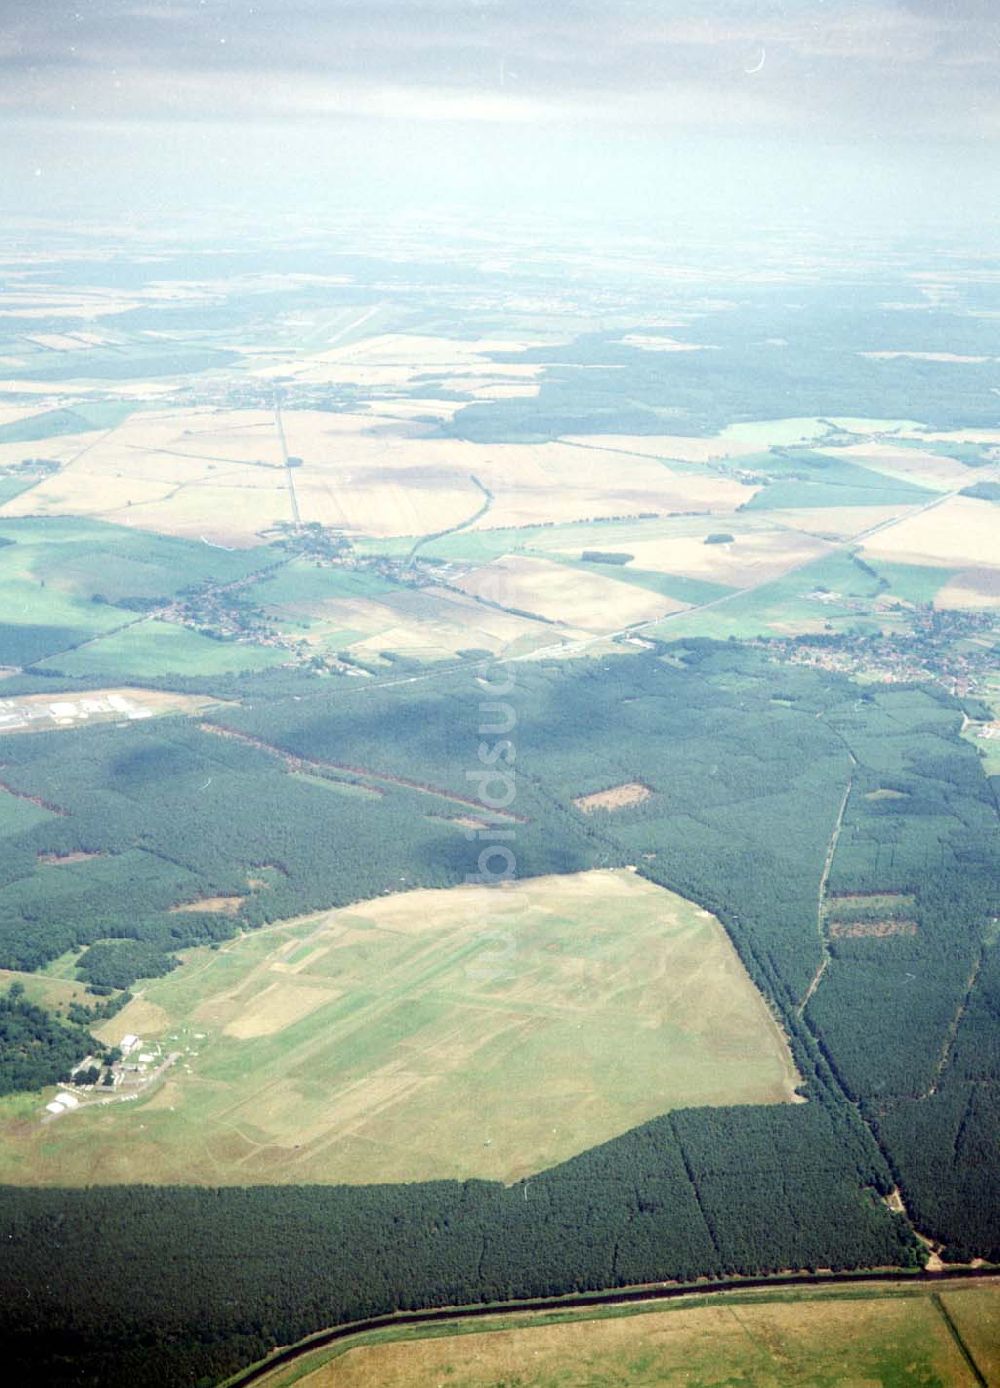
x=55, y=1107
x=67, y=1100
x=128, y=1043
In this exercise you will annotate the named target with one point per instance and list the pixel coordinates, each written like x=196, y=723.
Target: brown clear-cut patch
x=614, y=798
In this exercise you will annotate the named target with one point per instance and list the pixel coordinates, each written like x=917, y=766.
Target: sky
x=631, y=109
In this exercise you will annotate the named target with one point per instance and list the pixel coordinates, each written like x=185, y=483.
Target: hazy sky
x=715, y=103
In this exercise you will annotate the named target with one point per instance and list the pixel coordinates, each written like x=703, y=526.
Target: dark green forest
x=134, y=1298
x=765, y=779
x=37, y=1048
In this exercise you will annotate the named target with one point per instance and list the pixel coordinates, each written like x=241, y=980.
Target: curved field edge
x=384, y=1038
x=318, y=1360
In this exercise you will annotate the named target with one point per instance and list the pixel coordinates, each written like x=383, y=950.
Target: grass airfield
x=431, y=1034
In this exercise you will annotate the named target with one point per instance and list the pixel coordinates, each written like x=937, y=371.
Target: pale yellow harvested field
x=169, y=470
x=216, y=474
x=11, y=414
x=59, y=449
x=273, y=1008
x=413, y=408
x=395, y=359
x=679, y=446
x=488, y=388
x=78, y=304
x=853, y=1342
x=436, y=622
x=908, y=464
x=532, y=483
x=590, y=602
x=960, y=532
x=838, y=522
x=140, y=1016
x=17, y=385
x=753, y=557
x=535, y=484
x=971, y=588
x=387, y=501
x=733, y=442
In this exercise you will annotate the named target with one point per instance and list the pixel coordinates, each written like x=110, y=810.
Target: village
x=953, y=649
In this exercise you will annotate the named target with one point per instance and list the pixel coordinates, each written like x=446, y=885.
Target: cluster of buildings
x=130, y=1072
x=19, y=714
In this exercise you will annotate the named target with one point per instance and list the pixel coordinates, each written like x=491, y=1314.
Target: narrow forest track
x=953, y=1026
x=831, y=853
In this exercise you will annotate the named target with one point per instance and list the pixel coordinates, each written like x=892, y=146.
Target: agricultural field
x=61, y=588
x=336, y=608
x=584, y=600
x=975, y=1312
x=830, y=593
x=218, y=475
x=734, y=1015
x=959, y=533
x=828, y=1339
x=152, y=648
x=436, y=1034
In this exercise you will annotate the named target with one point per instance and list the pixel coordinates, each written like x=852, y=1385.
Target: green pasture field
x=47, y=990
x=827, y=1338
x=793, y=603
x=60, y=579
x=77, y=419
x=150, y=648
x=796, y=601
x=79, y=558
x=15, y=485
x=916, y=583
x=302, y=585
x=807, y=479
x=431, y=1034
